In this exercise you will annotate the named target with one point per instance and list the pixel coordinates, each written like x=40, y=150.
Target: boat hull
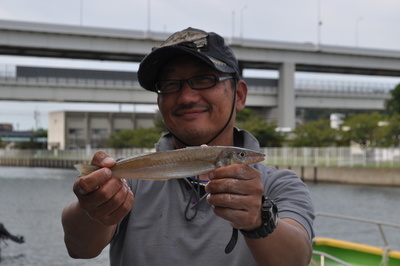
x=351, y=253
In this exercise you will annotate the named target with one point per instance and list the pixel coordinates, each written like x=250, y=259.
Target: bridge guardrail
x=381, y=92
x=33, y=75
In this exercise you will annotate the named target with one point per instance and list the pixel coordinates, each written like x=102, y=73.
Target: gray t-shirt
x=158, y=232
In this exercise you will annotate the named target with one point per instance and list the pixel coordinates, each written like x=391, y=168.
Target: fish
x=179, y=163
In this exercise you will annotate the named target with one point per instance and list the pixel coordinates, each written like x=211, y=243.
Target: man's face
x=195, y=116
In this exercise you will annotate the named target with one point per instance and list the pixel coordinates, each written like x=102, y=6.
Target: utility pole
x=36, y=117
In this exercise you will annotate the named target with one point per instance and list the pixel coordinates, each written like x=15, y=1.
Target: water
x=368, y=202
x=31, y=201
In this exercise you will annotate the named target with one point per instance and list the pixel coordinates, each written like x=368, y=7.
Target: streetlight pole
x=356, y=30
x=148, y=15
x=81, y=12
x=233, y=24
x=241, y=21
x=319, y=24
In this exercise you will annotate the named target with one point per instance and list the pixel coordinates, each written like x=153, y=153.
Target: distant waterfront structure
x=6, y=127
x=336, y=120
x=9, y=137
x=77, y=130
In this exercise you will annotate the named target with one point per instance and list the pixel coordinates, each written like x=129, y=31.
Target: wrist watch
x=269, y=215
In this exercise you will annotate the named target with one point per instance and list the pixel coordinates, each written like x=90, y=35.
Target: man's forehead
x=183, y=62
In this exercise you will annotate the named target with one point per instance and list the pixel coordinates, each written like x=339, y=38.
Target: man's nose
x=187, y=94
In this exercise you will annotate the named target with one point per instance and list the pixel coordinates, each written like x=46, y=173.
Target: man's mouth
x=191, y=112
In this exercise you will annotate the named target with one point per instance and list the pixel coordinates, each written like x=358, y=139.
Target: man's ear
x=241, y=95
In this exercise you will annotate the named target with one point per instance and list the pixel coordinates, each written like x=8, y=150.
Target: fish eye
x=242, y=154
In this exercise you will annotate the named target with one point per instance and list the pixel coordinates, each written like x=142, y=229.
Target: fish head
x=233, y=155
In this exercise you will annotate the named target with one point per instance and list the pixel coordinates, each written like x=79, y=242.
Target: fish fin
x=85, y=169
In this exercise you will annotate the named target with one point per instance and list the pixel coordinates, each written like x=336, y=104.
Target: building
x=6, y=127
x=76, y=130
x=9, y=138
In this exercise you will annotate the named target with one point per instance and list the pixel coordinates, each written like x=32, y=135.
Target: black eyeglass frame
x=189, y=82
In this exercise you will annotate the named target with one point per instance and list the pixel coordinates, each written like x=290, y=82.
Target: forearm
x=84, y=237
x=288, y=245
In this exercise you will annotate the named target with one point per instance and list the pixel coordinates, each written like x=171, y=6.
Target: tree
x=142, y=137
x=363, y=128
x=393, y=104
x=257, y=125
x=314, y=134
x=313, y=114
x=159, y=123
x=40, y=133
x=33, y=142
x=388, y=134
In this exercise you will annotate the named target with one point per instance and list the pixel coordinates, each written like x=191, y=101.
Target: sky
x=354, y=23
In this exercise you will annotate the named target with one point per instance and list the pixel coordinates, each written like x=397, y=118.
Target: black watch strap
x=269, y=216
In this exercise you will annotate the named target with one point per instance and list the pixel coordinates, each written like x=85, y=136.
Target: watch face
x=270, y=210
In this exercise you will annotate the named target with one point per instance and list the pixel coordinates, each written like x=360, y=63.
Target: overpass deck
x=63, y=41
x=308, y=93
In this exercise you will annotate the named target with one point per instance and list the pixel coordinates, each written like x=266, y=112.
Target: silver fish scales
x=180, y=163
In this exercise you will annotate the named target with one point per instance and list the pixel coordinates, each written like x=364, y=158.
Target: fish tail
x=85, y=169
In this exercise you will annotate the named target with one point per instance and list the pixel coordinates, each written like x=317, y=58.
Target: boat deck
x=329, y=251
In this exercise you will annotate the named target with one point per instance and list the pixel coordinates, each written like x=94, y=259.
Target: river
x=31, y=201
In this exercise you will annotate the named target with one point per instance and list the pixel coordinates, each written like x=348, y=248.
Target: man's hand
x=105, y=199
x=235, y=194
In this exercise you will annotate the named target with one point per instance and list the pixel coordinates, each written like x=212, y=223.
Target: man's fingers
x=227, y=185
x=92, y=182
x=102, y=159
x=228, y=200
x=113, y=208
x=238, y=171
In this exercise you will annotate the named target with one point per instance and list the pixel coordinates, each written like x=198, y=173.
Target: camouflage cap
x=207, y=46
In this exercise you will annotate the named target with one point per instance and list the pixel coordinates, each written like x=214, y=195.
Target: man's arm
x=102, y=202
x=289, y=244
x=235, y=193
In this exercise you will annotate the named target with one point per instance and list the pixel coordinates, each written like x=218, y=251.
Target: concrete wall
x=56, y=140
x=348, y=175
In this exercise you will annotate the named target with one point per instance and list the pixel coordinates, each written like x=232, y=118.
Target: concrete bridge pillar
x=286, y=109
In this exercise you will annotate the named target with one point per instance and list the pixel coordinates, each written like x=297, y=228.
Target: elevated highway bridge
x=62, y=41
x=93, y=86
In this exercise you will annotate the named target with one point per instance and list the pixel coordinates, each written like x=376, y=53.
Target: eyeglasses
x=201, y=82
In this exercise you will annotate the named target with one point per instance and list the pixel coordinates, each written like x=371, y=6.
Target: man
x=189, y=221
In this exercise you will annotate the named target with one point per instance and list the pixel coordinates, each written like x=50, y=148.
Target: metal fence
x=334, y=156
x=328, y=157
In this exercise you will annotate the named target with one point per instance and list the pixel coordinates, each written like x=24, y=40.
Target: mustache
x=185, y=107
